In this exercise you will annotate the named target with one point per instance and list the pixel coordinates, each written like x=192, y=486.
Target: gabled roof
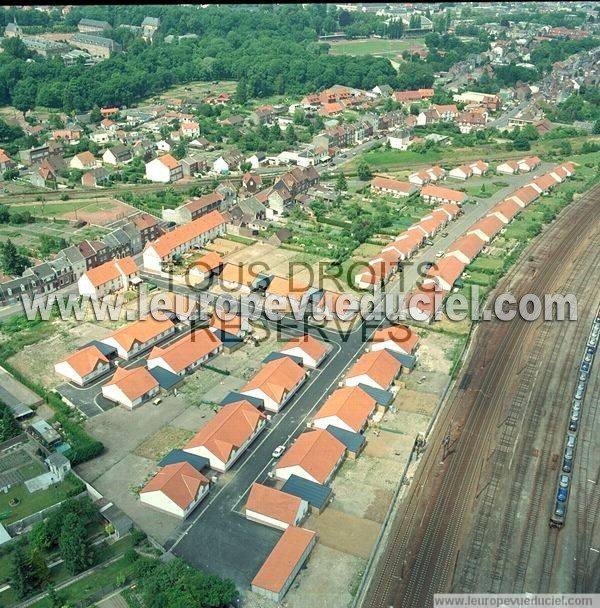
x=199, y=202
x=402, y=335
x=273, y=503
x=352, y=405
x=209, y=261
x=166, y=243
x=111, y=270
x=240, y=274
x=470, y=245
x=133, y=382
x=508, y=208
x=180, y=482
x=392, y=184
x=378, y=365
x=169, y=161
x=284, y=559
x=545, y=182
x=230, y=428
x=489, y=225
x=276, y=378
x=141, y=331
x=86, y=360
x=181, y=354
x=287, y=287
x=447, y=268
x=443, y=193
x=316, y=452
x=526, y=195
x=311, y=346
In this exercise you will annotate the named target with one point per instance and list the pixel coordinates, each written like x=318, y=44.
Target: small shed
x=315, y=494
x=383, y=398
x=408, y=361
x=175, y=456
x=275, y=355
x=354, y=442
x=234, y=397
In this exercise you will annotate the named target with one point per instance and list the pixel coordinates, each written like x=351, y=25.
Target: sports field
x=373, y=46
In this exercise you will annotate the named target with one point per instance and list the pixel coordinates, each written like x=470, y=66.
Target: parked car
x=580, y=390
x=278, y=451
x=562, y=494
x=573, y=424
x=567, y=464
x=563, y=481
x=576, y=405
x=439, y=254
x=571, y=440
x=559, y=510
x=583, y=376
x=585, y=366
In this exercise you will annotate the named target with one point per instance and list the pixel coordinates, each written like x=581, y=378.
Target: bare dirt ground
x=102, y=213
x=37, y=361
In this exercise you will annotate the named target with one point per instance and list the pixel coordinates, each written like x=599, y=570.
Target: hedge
x=83, y=446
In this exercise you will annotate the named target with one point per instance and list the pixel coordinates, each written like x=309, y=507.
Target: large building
x=97, y=46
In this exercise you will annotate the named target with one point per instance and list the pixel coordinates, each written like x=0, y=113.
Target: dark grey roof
x=276, y=355
x=353, y=441
x=120, y=522
x=57, y=459
x=105, y=349
x=382, y=397
x=165, y=378
x=73, y=254
x=407, y=361
x=175, y=456
x=94, y=23
x=227, y=338
x=315, y=494
x=20, y=410
x=233, y=397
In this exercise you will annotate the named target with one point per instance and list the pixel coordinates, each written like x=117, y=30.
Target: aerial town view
x=299, y=305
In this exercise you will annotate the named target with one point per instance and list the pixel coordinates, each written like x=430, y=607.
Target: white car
x=439, y=254
x=278, y=451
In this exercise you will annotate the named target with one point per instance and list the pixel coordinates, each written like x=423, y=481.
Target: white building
x=164, y=169
x=83, y=366
x=131, y=387
x=108, y=277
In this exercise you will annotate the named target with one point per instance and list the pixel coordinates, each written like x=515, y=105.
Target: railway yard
x=475, y=515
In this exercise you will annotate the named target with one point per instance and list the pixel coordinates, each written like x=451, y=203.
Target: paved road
x=217, y=538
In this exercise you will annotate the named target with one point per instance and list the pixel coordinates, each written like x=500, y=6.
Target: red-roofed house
x=466, y=248
x=309, y=349
x=224, y=437
x=445, y=272
x=315, y=455
x=138, y=336
x=283, y=564
x=437, y=194
x=405, y=245
x=399, y=338
x=83, y=366
x=131, y=387
x=164, y=169
x=486, y=228
x=424, y=303
x=348, y=408
x=378, y=369
x=463, y=172
x=185, y=355
x=161, y=251
x=394, y=187
x=510, y=167
x=176, y=489
x=275, y=383
x=274, y=508
x=524, y=196
x=529, y=163
x=506, y=210
x=108, y=277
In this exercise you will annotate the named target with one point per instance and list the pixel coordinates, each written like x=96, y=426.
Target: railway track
x=436, y=537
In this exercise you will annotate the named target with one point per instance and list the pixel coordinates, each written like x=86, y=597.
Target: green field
x=373, y=46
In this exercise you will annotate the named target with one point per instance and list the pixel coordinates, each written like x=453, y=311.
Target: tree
x=38, y=536
x=10, y=174
x=56, y=600
x=22, y=578
x=4, y=214
x=9, y=427
x=74, y=547
x=290, y=135
x=12, y=262
x=24, y=94
x=363, y=171
x=241, y=91
x=596, y=129
x=40, y=568
x=521, y=143
x=341, y=185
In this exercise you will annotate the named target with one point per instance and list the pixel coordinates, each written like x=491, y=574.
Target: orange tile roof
x=169, y=161
x=512, y=164
x=283, y=560
x=240, y=274
x=402, y=335
x=166, y=243
x=380, y=366
x=273, y=503
x=180, y=482
x=229, y=429
x=443, y=193
x=209, y=261
x=311, y=346
x=469, y=244
x=177, y=303
x=508, y=208
x=85, y=157
x=545, y=182
x=489, y=225
x=183, y=353
x=451, y=208
x=447, y=268
x=481, y=165
x=276, y=378
x=226, y=321
x=436, y=170
x=86, y=360
x=141, y=331
x=111, y=270
x=426, y=298
x=287, y=287
x=531, y=160
x=317, y=452
x=526, y=195
x=392, y=184
x=350, y=404
x=133, y=382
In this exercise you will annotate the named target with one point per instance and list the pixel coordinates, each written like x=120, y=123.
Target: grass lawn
x=478, y=278
x=486, y=263
x=382, y=158
x=373, y=46
x=31, y=503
